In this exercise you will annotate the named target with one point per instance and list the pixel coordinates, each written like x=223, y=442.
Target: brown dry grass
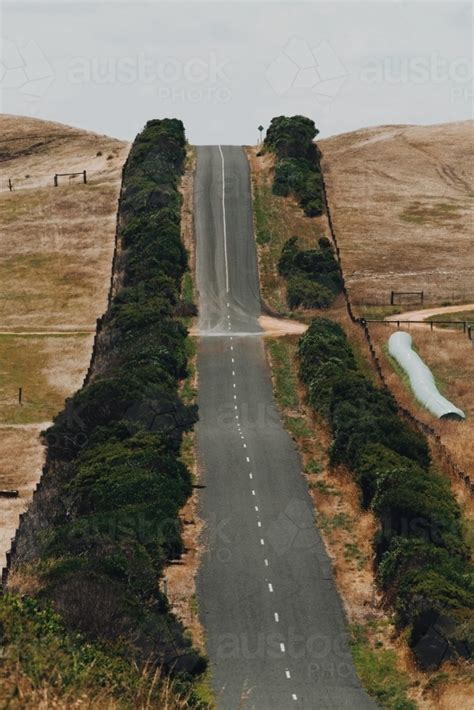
x=21, y=459
x=55, y=260
x=401, y=199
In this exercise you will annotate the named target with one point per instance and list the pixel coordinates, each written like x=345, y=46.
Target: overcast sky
x=226, y=68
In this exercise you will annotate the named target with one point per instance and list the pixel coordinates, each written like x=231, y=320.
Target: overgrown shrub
x=420, y=551
x=313, y=275
x=303, y=293
x=297, y=170
x=117, y=482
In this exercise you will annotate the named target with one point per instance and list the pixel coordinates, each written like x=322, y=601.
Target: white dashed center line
x=287, y=673
x=282, y=647
x=262, y=541
x=295, y=697
x=277, y=618
x=270, y=587
x=248, y=460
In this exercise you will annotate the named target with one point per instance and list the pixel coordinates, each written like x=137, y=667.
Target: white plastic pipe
x=421, y=378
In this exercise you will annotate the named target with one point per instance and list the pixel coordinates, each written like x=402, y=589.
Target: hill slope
x=55, y=263
x=401, y=199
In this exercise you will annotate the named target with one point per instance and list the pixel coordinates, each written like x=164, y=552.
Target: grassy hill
x=55, y=264
x=401, y=199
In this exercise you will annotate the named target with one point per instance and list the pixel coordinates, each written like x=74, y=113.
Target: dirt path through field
x=425, y=313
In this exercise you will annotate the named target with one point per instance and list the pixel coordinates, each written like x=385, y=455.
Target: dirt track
x=425, y=313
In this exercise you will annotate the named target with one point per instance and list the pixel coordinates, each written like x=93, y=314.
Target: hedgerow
x=420, y=551
x=297, y=170
x=114, y=452
x=313, y=276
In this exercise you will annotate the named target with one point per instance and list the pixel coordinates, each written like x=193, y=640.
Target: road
x=274, y=624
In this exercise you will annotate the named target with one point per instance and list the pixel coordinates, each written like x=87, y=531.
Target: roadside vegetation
x=105, y=524
x=297, y=169
x=313, y=278
x=310, y=275
x=420, y=553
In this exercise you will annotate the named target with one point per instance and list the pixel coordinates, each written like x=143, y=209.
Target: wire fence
x=443, y=453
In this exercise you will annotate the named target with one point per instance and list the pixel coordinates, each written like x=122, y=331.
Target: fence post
x=10, y=184
x=85, y=177
x=391, y=297
x=55, y=181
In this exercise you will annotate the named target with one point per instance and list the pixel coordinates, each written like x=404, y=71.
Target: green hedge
x=420, y=550
x=114, y=452
x=313, y=275
x=297, y=170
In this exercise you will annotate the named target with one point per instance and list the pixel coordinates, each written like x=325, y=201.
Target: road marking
x=256, y=507
x=248, y=460
x=233, y=373
x=288, y=674
x=235, y=396
x=236, y=416
x=259, y=524
x=233, y=360
x=266, y=562
x=224, y=223
x=235, y=406
x=270, y=588
x=262, y=541
x=245, y=446
x=282, y=647
x=295, y=697
x=253, y=493
x=228, y=304
x=250, y=476
x=231, y=347
x=234, y=385
x=277, y=618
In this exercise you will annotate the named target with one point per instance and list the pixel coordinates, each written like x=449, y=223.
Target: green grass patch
x=440, y=212
x=282, y=353
x=377, y=669
x=456, y=320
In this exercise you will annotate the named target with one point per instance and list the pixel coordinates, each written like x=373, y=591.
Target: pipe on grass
x=421, y=378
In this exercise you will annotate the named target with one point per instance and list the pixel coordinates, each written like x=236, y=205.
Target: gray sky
x=225, y=68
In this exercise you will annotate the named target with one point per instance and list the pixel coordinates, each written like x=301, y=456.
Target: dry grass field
x=56, y=248
x=402, y=201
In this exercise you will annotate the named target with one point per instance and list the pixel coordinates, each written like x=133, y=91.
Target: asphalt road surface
x=274, y=624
